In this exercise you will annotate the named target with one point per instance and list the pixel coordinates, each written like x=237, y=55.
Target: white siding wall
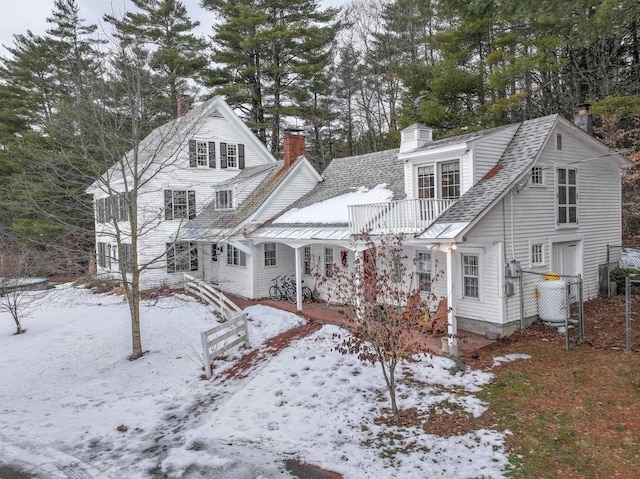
x=290, y=190
x=531, y=216
x=176, y=174
x=234, y=279
x=488, y=151
x=285, y=265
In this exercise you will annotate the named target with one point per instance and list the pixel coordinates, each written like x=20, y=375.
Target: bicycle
x=307, y=295
x=282, y=290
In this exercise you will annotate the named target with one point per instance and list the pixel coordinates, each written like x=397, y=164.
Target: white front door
x=214, y=264
x=565, y=258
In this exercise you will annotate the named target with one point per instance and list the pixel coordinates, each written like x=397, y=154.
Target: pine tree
x=267, y=50
x=175, y=53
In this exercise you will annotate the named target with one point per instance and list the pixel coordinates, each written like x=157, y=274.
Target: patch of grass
x=571, y=413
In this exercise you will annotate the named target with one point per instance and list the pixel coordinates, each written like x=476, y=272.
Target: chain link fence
x=620, y=259
x=554, y=299
x=632, y=309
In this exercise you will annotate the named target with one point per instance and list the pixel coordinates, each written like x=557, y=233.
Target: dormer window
x=448, y=185
x=426, y=182
x=224, y=200
x=450, y=180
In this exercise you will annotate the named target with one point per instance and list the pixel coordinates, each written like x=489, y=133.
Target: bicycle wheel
x=274, y=293
x=307, y=295
x=291, y=294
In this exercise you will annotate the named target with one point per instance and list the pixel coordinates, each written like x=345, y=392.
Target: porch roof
x=303, y=232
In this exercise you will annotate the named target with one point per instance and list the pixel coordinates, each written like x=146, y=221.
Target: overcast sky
x=18, y=16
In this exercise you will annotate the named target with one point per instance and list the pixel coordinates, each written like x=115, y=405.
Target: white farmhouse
x=205, y=164
x=541, y=195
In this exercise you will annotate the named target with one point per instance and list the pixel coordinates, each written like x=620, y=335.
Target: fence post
x=522, y=325
x=206, y=355
x=607, y=270
x=580, y=311
x=223, y=307
x=627, y=312
x=246, y=330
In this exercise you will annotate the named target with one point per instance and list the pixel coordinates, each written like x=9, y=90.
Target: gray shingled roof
x=211, y=219
x=346, y=174
x=518, y=158
x=467, y=137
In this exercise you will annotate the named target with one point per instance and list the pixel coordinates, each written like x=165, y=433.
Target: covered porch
x=322, y=312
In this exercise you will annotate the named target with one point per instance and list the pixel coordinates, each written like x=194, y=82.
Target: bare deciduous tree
x=16, y=294
x=386, y=307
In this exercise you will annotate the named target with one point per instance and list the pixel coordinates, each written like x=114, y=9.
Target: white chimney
x=414, y=137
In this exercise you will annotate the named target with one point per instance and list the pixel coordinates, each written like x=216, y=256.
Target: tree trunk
x=134, y=309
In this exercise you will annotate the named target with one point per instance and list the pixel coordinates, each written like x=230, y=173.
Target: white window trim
x=264, y=256
x=309, y=260
x=566, y=225
x=230, y=250
x=326, y=266
x=430, y=288
x=542, y=177
x=229, y=191
x=437, y=175
x=462, y=276
x=205, y=163
x=543, y=253
x=235, y=156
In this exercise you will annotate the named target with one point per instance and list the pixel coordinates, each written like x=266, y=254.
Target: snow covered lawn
x=66, y=388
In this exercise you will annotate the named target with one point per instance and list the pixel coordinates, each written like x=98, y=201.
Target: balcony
x=395, y=217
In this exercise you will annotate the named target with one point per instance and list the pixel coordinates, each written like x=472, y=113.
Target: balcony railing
x=404, y=216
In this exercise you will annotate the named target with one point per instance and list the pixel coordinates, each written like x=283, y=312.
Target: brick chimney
x=183, y=105
x=293, y=145
x=583, y=118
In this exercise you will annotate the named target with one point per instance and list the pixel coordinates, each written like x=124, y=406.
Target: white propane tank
x=552, y=302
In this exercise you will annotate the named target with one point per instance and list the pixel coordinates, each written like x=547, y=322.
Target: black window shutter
x=168, y=205
x=192, y=204
x=192, y=153
x=223, y=155
x=241, y=156
x=212, y=154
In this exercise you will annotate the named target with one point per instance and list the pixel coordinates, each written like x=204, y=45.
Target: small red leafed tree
x=386, y=305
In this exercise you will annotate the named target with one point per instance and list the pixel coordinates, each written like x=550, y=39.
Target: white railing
x=404, y=216
x=210, y=295
x=216, y=341
x=233, y=328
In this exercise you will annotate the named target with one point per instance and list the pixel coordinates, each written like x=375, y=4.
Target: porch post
x=298, y=279
x=451, y=319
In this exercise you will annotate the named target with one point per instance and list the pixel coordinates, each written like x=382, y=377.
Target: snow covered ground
x=66, y=388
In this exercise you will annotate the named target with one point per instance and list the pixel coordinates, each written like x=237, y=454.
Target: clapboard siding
x=285, y=265
x=236, y=279
x=487, y=152
x=531, y=213
x=292, y=188
x=166, y=156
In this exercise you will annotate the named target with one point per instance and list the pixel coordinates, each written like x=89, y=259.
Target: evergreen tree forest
x=350, y=77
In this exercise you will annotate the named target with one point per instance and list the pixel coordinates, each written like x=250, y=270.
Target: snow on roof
x=334, y=210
